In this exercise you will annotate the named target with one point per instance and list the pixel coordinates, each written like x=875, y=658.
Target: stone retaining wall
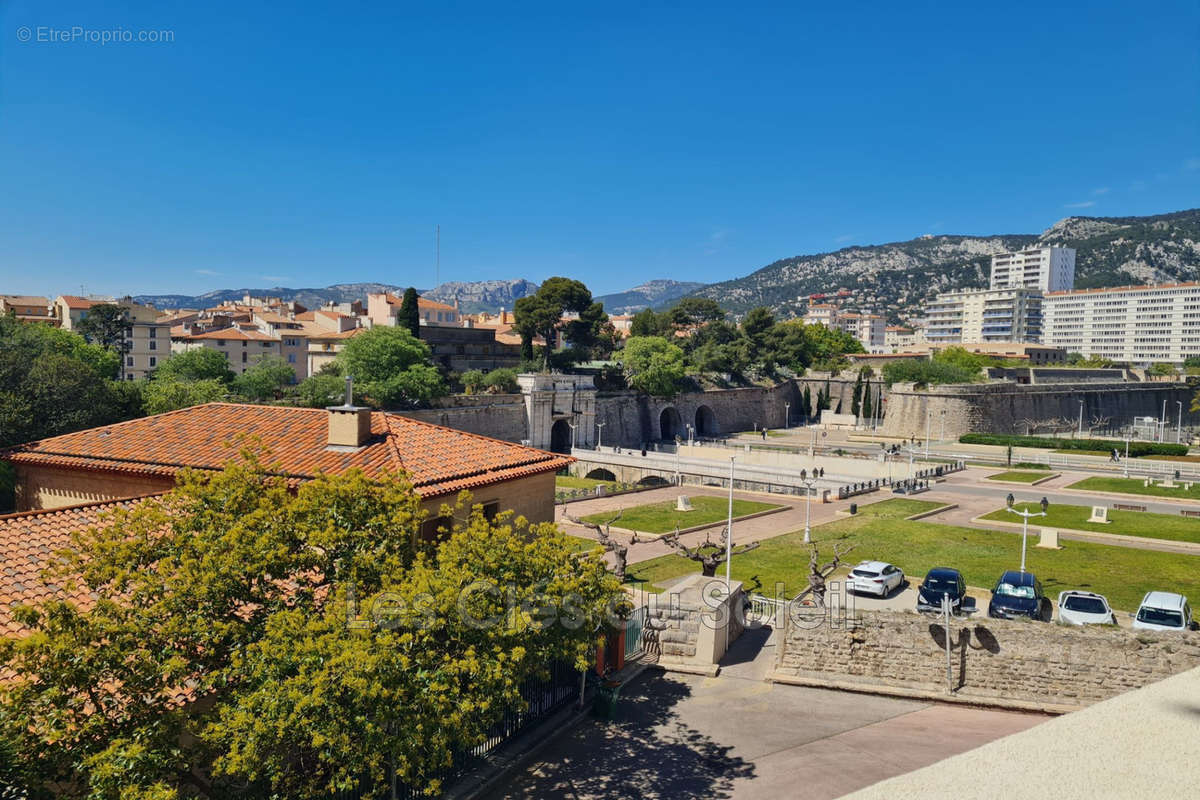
x=500, y=416
x=1005, y=662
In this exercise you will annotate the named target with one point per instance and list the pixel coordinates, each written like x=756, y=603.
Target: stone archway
x=560, y=437
x=706, y=422
x=654, y=480
x=669, y=424
x=601, y=474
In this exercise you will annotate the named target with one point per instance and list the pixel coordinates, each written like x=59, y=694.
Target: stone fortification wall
x=500, y=416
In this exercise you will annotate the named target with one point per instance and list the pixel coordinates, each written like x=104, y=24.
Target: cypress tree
x=827, y=403
x=807, y=403
x=856, y=398
x=867, y=408
x=410, y=312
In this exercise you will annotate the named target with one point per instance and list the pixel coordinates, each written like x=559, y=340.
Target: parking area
x=682, y=736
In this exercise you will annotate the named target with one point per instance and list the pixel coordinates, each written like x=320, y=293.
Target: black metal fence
x=543, y=697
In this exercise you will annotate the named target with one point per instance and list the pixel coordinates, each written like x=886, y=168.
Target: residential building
x=147, y=340
x=28, y=308
x=384, y=307
x=243, y=346
x=324, y=347
x=1050, y=269
x=1136, y=325
x=898, y=338
x=1036, y=355
x=463, y=349
x=868, y=329
x=984, y=315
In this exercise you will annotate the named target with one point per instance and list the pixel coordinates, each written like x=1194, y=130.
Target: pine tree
x=410, y=312
x=807, y=403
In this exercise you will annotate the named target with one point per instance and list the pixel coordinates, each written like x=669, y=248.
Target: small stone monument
x=1099, y=514
x=684, y=503
x=1049, y=539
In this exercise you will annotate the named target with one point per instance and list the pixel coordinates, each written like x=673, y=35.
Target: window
x=490, y=510
x=153, y=361
x=243, y=358
x=291, y=358
x=154, y=345
x=245, y=343
x=220, y=342
x=154, y=333
x=129, y=361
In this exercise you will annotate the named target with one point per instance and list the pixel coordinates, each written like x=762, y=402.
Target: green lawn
x=581, y=545
x=1134, y=486
x=663, y=518
x=897, y=508
x=571, y=482
x=1121, y=573
x=1126, y=523
x=1014, y=476
x=1104, y=453
x=1185, y=459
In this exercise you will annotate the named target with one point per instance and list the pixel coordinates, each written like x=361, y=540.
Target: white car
x=1084, y=608
x=1163, y=611
x=874, y=577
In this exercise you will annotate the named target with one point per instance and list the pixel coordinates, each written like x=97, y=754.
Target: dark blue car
x=1017, y=594
x=940, y=582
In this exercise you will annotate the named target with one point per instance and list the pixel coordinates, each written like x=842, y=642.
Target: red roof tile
x=438, y=460
x=236, y=333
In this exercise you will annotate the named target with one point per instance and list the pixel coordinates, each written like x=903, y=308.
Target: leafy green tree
x=923, y=372
x=201, y=364
x=786, y=343
x=1162, y=369
x=540, y=313
x=107, y=324
x=587, y=335
x=391, y=367
x=695, y=311
x=314, y=638
x=54, y=394
x=21, y=343
x=755, y=327
x=502, y=380
x=265, y=379
x=648, y=322
x=653, y=365
x=160, y=396
x=324, y=389
x=472, y=381
x=826, y=344
x=410, y=312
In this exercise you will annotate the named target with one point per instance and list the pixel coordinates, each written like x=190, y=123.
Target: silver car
x=1084, y=608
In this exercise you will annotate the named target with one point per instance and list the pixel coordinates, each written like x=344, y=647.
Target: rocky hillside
x=895, y=278
x=479, y=296
x=309, y=298
x=648, y=295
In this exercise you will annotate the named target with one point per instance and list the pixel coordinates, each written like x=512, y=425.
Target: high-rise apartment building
x=984, y=315
x=1134, y=324
x=1050, y=269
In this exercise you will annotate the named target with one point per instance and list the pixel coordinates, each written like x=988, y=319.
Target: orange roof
x=323, y=335
x=434, y=304
x=28, y=542
x=235, y=333
x=24, y=300
x=437, y=460
x=74, y=302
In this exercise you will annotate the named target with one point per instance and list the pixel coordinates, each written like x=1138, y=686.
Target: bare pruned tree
x=1099, y=421
x=619, y=549
x=818, y=574
x=708, y=554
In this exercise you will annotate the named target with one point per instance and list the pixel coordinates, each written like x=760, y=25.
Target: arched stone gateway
x=560, y=437
x=654, y=480
x=601, y=474
x=669, y=424
x=706, y=422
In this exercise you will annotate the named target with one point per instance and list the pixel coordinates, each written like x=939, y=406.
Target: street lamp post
x=600, y=434
x=1025, y=515
x=1179, y=423
x=1162, y=422
x=809, y=483
x=1080, y=434
x=928, y=423
x=786, y=419
x=1126, y=456
x=572, y=426
x=942, y=435
x=729, y=528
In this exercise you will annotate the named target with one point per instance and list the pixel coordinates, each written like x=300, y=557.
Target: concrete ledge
x=915, y=693
x=708, y=671
x=932, y=511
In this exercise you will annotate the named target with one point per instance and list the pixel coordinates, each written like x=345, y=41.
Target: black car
x=939, y=582
x=1017, y=594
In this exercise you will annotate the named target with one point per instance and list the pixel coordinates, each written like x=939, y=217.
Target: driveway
x=682, y=736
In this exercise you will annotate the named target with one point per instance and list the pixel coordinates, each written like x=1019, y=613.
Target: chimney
x=349, y=425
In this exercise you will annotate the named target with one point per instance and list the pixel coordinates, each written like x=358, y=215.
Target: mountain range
x=893, y=279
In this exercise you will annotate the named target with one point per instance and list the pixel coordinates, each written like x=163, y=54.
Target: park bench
x=1127, y=507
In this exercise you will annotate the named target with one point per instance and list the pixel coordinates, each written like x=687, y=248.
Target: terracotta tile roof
x=324, y=334
x=74, y=302
x=28, y=542
x=433, y=304
x=236, y=333
x=25, y=300
x=438, y=460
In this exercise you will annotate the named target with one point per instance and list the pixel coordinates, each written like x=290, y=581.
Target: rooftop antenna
x=437, y=279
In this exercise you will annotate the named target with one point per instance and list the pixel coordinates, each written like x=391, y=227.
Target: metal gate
x=634, y=628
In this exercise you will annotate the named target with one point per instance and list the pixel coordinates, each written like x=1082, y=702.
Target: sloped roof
x=438, y=460
x=236, y=333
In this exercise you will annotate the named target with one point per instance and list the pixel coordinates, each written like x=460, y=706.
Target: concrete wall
x=500, y=416
x=1003, y=407
x=49, y=487
x=687, y=626
x=532, y=498
x=1013, y=662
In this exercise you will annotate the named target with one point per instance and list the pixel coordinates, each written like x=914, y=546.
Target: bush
x=1135, y=448
x=922, y=372
x=500, y=381
x=1030, y=465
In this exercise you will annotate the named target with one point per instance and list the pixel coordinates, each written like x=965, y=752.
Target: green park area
x=1123, y=574
x=663, y=518
x=1134, y=486
x=898, y=508
x=1125, y=523
x=572, y=482
x=1015, y=476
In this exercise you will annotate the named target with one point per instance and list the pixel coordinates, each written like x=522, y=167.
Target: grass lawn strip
x=663, y=518
x=1123, y=574
x=897, y=508
x=1125, y=523
x=572, y=482
x=1134, y=486
x=1014, y=476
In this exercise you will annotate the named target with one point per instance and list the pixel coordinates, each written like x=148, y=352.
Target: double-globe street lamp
x=1025, y=515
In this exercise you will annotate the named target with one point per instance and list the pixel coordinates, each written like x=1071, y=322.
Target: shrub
x=1135, y=448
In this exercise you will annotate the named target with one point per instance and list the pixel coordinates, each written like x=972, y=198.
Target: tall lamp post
x=1179, y=423
x=1025, y=515
x=1080, y=434
x=572, y=426
x=729, y=530
x=928, y=422
x=600, y=434
x=1162, y=422
x=786, y=418
x=809, y=483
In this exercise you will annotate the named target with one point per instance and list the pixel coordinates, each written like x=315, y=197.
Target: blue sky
x=307, y=144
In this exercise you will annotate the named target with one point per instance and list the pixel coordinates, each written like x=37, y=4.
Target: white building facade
x=1050, y=269
x=984, y=315
x=1138, y=325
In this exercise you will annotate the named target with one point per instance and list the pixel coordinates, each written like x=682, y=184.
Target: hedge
x=1135, y=448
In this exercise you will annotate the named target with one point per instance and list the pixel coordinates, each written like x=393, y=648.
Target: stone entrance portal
x=555, y=402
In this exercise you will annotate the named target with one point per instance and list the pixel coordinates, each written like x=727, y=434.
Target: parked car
x=1084, y=608
x=941, y=582
x=1018, y=594
x=1163, y=611
x=875, y=577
